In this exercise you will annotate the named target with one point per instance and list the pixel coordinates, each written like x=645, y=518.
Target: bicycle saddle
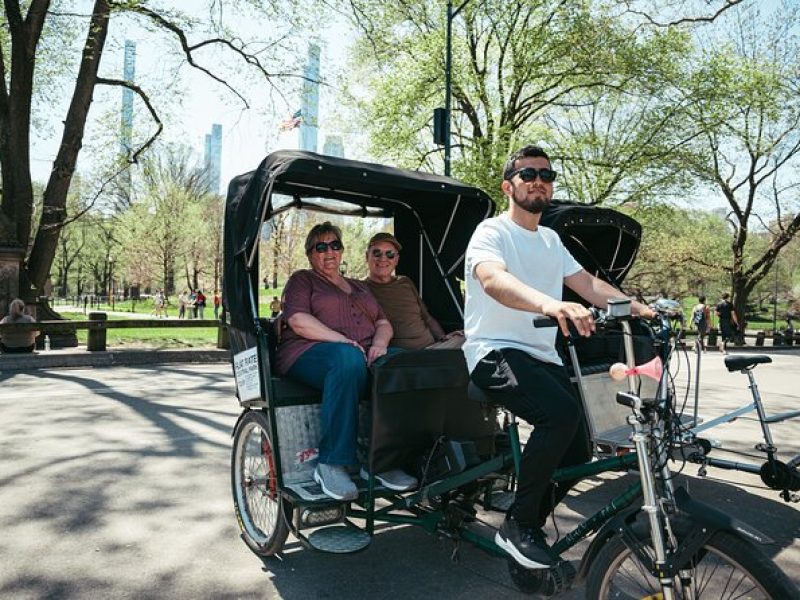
x=738, y=363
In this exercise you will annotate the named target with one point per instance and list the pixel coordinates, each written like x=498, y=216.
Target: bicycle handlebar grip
x=544, y=322
x=629, y=400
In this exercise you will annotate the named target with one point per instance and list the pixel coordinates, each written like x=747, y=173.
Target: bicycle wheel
x=725, y=567
x=261, y=511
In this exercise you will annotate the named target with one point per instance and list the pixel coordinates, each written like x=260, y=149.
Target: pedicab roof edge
x=303, y=174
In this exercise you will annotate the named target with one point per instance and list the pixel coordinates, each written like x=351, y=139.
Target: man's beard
x=534, y=205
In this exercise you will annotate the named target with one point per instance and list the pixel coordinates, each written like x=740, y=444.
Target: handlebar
x=601, y=319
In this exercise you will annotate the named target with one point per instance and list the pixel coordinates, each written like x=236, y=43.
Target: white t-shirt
x=539, y=260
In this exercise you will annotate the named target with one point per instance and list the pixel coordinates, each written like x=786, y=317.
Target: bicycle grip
x=544, y=322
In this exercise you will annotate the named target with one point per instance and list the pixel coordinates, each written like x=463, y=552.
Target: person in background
x=18, y=341
x=727, y=322
x=183, y=299
x=336, y=331
x=274, y=307
x=200, y=304
x=158, y=304
x=190, y=304
x=217, y=302
x=701, y=317
x=414, y=327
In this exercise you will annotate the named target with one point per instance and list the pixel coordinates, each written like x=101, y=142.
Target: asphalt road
x=115, y=483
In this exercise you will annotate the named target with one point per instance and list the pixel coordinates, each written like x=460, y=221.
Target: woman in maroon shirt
x=336, y=331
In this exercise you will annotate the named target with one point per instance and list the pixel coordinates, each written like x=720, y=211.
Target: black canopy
x=604, y=241
x=434, y=217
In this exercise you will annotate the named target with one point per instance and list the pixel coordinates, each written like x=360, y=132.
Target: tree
x=682, y=252
x=28, y=36
x=167, y=227
x=747, y=111
x=518, y=68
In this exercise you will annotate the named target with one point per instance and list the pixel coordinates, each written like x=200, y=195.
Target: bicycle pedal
x=559, y=578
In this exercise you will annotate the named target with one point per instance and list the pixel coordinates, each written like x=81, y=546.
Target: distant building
x=213, y=157
x=310, y=102
x=334, y=146
x=126, y=121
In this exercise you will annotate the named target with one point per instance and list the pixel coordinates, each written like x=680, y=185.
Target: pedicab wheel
x=725, y=567
x=261, y=511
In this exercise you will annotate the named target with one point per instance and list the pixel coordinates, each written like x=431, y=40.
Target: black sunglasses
x=335, y=245
x=390, y=254
x=528, y=174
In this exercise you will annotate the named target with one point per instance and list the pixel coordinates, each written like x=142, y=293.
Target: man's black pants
x=542, y=394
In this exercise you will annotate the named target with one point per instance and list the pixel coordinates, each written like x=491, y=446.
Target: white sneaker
x=335, y=482
x=395, y=480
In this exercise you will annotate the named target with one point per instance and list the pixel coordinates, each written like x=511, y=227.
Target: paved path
x=115, y=483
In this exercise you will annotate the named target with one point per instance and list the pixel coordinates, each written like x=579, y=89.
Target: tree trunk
x=55, y=195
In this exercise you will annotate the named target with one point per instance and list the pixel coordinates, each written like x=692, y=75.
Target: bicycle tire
x=726, y=564
x=262, y=513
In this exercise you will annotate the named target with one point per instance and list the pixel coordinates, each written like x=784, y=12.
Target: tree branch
x=141, y=93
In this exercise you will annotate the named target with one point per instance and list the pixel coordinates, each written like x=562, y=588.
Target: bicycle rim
x=255, y=485
x=713, y=575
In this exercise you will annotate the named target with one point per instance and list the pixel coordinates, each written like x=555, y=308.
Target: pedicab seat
x=417, y=397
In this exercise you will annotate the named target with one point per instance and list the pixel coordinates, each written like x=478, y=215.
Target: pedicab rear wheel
x=261, y=511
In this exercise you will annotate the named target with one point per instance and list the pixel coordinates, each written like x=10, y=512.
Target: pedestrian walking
x=727, y=322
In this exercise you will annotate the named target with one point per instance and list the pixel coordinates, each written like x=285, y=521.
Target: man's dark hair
x=524, y=152
x=701, y=299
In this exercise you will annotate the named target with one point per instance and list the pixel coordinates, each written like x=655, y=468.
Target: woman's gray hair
x=317, y=231
x=17, y=308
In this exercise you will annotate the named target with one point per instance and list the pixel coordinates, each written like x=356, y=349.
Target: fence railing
x=98, y=324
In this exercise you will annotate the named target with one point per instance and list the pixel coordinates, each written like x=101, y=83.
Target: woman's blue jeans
x=340, y=372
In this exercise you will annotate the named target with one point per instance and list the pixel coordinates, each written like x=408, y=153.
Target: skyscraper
x=213, y=157
x=333, y=146
x=126, y=125
x=310, y=101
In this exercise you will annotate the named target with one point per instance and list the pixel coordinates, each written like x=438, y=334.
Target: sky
x=248, y=134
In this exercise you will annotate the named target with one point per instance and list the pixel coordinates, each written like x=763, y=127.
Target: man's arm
x=599, y=292
x=380, y=341
x=510, y=291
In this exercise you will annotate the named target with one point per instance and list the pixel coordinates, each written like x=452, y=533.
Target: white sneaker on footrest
x=395, y=480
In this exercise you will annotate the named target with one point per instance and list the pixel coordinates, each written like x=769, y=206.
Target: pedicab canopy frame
x=434, y=217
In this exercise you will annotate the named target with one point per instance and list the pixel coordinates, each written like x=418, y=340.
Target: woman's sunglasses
x=335, y=245
x=528, y=174
x=390, y=254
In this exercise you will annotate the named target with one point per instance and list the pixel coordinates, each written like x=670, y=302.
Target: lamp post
x=111, y=281
x=775, y=299
x=448, y=76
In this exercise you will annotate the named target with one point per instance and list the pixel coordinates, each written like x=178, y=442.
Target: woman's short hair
x=317, y=231
x=16, y=308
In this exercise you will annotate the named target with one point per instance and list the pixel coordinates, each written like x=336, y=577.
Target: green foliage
x=682, y=253
x=521, y=73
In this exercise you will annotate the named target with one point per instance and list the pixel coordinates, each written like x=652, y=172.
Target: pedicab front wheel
x=261, y=510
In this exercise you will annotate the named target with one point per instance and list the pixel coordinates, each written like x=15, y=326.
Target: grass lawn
x=150, y=337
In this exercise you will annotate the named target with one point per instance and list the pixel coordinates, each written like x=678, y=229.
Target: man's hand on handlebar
x=571, y=312
x=643, y=311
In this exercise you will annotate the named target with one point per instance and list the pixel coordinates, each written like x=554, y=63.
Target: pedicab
x=422, y=414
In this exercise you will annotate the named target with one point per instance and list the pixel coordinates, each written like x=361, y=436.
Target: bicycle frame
x=774, y=473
